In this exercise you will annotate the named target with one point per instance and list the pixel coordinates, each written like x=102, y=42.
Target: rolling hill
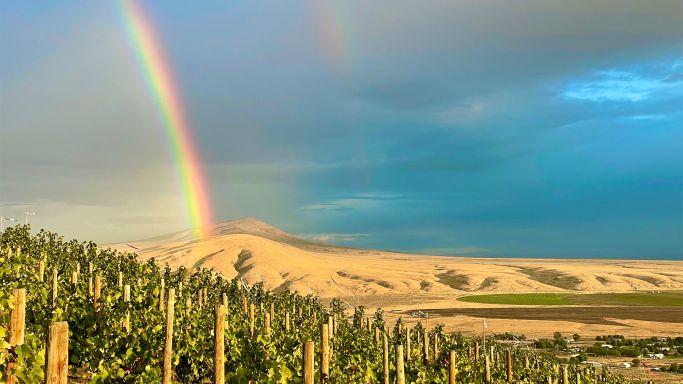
x=255, y=251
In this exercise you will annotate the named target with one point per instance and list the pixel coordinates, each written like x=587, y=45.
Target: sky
x=474, y=128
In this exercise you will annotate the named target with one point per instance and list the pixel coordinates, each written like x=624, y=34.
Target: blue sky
x=520, y=129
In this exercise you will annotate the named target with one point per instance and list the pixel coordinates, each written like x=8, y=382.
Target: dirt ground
x=577, y=314
x=531, y=321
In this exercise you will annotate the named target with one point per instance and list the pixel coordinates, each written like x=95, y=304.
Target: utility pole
x=28, y=214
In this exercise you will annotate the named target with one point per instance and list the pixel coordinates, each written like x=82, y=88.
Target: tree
x=576, y=337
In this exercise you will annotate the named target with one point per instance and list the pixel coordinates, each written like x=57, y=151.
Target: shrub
x=630, y=351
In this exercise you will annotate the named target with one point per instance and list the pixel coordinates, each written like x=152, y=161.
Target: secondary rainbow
x=334, y=28
x=159, y=78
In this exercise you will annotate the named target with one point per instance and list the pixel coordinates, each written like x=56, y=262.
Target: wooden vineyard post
x=286, y=321
x=188, y=305
x=200, y=301
x=98, y=290
x=57, y=355
x=126, y=299
x=526, y=362
x=508, y=365
x=225, y=302
x=219, y=345
x=325, y=354
x=251, y=319
x=565, y=375
x=436, y=347
x=162, y=291
x=487, y=369
x=266, y=323
x=74, y=279
x=18, y=317
x=578, y=377
x=476, y=351
x=41, y=270
x=308, y=362
x=168, y=346
x=407, y=344
x=244, y=305
x=385, y=345
x=180, y=289
x=206, y=296
x=54, y=287
x=16, y=326
x=425, y=347
x=126, y=293
x=400, y=373
x=272, y=312
x=90, y=288
x=452, y=370
x=330, y=325
x=120, y=279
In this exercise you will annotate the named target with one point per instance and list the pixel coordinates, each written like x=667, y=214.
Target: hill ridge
x=283, y=261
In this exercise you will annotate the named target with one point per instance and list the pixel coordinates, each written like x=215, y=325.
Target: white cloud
x=361, y=201
x=334, y=237
x=625, y=86
x=652, y=117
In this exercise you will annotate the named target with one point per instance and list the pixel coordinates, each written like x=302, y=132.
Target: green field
x=666, y=298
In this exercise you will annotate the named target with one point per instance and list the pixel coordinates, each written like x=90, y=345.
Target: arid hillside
x=255, y=251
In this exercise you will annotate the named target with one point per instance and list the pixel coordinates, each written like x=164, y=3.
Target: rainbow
x=334, y=29
x=158, y=76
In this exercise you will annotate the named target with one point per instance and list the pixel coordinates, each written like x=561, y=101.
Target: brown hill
x=255, y=251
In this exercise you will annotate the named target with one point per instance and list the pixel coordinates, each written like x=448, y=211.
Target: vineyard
x=70, y=311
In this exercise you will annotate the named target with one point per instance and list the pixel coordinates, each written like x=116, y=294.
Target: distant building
x=625, y=365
